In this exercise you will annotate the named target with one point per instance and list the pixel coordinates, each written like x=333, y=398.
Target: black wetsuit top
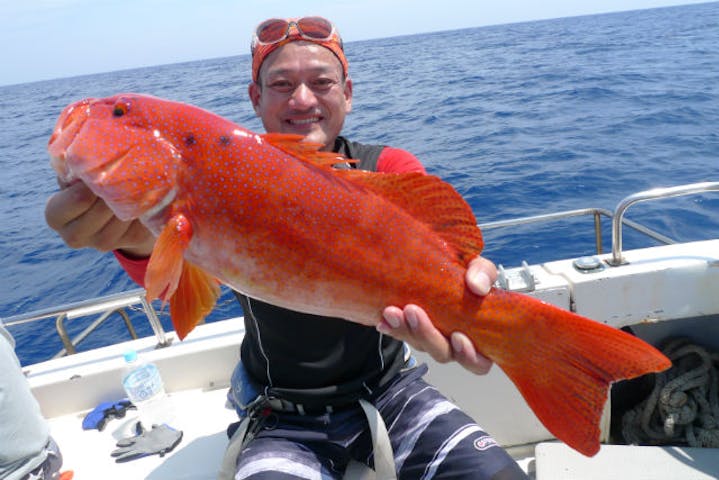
x=314, y=360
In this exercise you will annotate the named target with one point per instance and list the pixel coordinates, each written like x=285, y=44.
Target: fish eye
x=119, y=109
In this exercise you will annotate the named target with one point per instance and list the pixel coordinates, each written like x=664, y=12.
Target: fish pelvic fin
x=430, y=200
x=195, y=297
x=191, y=291
x=563, y=364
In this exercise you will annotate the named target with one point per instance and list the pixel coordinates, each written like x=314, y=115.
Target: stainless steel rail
x=617, y=216
x=653, y=194
x=548, y=217
x=105, y=306
x=597, y=213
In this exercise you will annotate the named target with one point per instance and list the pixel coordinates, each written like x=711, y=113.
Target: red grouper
x=268, y=216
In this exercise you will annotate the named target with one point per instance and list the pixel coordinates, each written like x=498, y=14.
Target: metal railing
x=105, y=306
x=653, y=194
x=617, y=217
x=596, y=213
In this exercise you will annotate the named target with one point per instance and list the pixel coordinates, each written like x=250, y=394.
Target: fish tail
x=563, y=364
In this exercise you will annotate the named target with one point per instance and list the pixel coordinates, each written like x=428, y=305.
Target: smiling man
x=302, y=91
x=316, y=377
x=315, y=369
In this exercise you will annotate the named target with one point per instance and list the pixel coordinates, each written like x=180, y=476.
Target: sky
x=46, y=39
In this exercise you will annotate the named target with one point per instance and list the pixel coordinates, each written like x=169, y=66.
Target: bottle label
x=143, y=383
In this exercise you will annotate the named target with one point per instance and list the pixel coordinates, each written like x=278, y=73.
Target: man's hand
x=84, y=220
x=413, y=326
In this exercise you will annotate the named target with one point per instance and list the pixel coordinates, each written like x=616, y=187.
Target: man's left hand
x=412, y=325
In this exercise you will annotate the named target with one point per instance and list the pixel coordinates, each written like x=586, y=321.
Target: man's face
x=302, y=91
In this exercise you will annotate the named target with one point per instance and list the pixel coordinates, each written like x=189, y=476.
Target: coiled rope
x=683, y=408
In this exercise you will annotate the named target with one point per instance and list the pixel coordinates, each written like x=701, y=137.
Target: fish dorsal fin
x=425, y=197
x=307, y=151
x=429, y=199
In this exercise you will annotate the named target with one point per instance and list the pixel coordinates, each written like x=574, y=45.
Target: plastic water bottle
x=143, y=384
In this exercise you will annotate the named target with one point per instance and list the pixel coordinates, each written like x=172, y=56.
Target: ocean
x=523, y=119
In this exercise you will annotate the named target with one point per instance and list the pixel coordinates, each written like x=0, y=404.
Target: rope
x=683, y=408
x=166, y=313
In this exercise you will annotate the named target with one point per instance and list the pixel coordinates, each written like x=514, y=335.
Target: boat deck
x=198, y=456
x=69, y=387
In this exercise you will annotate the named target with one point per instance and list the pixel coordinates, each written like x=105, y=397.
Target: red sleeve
x=395, y=160
x=135, y=268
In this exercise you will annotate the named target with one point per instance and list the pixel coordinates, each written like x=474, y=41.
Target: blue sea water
x=522, y=119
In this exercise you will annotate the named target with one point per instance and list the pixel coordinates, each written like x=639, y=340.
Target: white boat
x=660, y=291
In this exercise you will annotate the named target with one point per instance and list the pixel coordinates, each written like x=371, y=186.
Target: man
x=26, y=449
x=316, y=369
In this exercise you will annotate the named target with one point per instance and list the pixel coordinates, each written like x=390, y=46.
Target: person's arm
x=396, y=160
x=24, y=432
x=134, y=267
x=411, y=323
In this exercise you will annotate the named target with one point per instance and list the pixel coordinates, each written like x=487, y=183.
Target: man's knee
x=278, y=458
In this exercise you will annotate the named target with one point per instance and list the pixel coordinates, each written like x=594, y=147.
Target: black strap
x=368, y=155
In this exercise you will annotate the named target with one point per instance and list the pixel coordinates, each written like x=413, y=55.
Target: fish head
x=118, y=146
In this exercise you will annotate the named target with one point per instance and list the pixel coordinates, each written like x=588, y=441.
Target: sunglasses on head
x=275, y=30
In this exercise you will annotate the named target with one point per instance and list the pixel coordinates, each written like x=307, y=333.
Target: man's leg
x=270, y=458
x=432, y=438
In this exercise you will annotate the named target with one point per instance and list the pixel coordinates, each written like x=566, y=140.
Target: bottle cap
x=130, y=356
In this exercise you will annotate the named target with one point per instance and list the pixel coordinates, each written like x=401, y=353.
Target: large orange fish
x=269, y=216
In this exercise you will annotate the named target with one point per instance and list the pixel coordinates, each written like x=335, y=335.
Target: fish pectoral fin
x=305, y=151
x=191, y=291
x=429, y=199
x=165, y=267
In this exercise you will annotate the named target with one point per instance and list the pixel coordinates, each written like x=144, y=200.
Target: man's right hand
x=84, y=220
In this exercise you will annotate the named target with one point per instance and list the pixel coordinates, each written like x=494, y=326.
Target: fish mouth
x=67, y=127
x=68, y=124
x=69, y=166
x=65, y=175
